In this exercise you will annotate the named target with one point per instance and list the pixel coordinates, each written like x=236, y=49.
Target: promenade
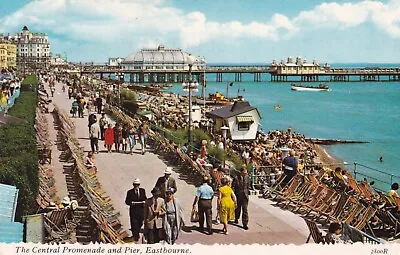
x=116, y=171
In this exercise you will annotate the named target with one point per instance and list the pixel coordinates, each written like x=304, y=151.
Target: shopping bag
x=194, y=217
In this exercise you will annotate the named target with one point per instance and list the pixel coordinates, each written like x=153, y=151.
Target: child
x=335, y=234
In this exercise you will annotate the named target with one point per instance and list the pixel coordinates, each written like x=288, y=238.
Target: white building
x=58, y=61
x=33, y=50
x=161, y=58
x=114, y=62
x=241, y=118
x=300, y=67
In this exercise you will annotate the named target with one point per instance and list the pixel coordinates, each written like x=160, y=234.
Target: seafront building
x=241, y=118
x=161, y=58
x=33, y=50
x=8, y=55
x=298, y=67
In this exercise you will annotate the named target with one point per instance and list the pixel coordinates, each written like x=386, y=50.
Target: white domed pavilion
x=161, y=58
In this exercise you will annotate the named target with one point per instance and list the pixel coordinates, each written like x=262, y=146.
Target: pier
x=275, y=73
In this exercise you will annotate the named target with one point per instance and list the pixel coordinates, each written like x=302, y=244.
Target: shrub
x=128, y=95
x=18, y=151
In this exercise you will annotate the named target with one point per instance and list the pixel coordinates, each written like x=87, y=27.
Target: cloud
x=138, y=23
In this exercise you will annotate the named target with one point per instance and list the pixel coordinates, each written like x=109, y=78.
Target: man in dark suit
x=241, y=187
x=136, y=199
x=166, y=182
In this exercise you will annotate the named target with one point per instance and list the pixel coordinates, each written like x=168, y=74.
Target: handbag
x=194, y=217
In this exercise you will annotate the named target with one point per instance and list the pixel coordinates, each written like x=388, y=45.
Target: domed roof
x=160, y=55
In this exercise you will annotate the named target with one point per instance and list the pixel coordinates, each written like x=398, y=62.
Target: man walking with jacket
x=241, y=187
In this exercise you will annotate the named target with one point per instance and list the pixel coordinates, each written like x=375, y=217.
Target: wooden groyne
x=323, y=141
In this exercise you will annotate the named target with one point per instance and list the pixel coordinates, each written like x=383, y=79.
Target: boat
x=217, y=99
x=277, y=107
x=321, y=87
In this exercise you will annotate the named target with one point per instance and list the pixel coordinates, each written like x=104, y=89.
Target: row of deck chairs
x=316, y=201
x=47, y=189
x=102, y=210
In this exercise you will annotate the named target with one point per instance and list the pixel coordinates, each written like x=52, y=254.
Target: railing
x=382, y=178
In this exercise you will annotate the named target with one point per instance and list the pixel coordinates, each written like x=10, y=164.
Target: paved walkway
x=116, y=172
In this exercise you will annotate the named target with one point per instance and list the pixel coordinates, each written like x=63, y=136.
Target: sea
x=362, y=111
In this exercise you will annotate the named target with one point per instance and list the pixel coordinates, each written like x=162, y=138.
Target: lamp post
x=120, y=77
x=224, y=130
x=190, y=86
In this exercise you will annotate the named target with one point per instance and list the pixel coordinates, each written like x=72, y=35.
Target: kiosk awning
x=244, y=119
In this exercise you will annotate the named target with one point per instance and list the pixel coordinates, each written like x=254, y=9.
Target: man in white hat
x=166, y=182
x=136, y=198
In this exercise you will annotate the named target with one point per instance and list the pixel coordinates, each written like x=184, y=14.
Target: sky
x=223, y=31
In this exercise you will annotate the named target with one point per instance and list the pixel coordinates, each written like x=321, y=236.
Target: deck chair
x=314, y=232
x=321, y=204
x=389, y=221
x=314, y=199
x=336, y=210
x=278, y=186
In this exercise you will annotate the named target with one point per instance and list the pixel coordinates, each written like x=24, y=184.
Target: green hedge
x=29, y=83
x=18, y=151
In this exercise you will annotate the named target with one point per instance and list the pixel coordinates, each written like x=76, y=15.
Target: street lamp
x=120, y=77
x=190, y=86
x=224, y=130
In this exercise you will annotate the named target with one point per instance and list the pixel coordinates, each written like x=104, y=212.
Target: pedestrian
x=70, y=92
x=81, y=106
x=94, y=137
x=154, y=212
x=173, y=222
x=91, y=119
x=99, y=104
x=74, y=108
x=125, y=137
x=103, y=124
x=144, y=131
x=136, y=199
x=109, y=138
x=117, y=136
x=203, y=199
x=241, y=188
x=226, y=203
x=132, y=138
x=203, y=149
x=289, y=165
x=52, y=90
x=166, y=182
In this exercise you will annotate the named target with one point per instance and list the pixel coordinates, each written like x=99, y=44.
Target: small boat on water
x=321, y=87
x=217, y=99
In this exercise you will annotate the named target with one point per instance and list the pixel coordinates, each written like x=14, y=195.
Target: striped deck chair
x=323, y=202
x=314, y=232
x=335, y=210
x=363, y=221
x=304, y=190
x=389, y=222
x=278, y=186
x=354, y=214
x=291, y=188
x=318, y=194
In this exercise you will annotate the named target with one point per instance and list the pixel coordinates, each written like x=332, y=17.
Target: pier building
x=161, y=58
